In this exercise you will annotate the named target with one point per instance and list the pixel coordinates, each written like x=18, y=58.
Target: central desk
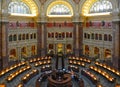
x=64, y=81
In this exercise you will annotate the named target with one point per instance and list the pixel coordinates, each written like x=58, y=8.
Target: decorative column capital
x=76, y=1
x=42, y=1
x=78, y=23
x=41, y=22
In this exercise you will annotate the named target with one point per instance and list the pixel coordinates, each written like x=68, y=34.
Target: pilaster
x=19, y=53
x=116, y=44
x=78, y=36
x=91, y=51
x=3, y=43
x=42, y=38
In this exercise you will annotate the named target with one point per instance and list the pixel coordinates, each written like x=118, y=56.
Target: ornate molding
x=76, y=1
x=42, y=1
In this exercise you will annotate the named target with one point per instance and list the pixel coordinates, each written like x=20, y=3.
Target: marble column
x=78, y=30
x=91, y=50
x=4, y=43
x=42, y=39
x=18, y=51
x=29, y=50
x=116, y=44
x=83, y=49
x=101, y=51
x=55, y=49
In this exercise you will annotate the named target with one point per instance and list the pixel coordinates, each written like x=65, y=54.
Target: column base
x=43, y=52
x=77, y=52
x=5, y=61
x=116, y=62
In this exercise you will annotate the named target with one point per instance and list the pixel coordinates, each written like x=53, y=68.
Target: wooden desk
x=2, y=85
x=60, y=83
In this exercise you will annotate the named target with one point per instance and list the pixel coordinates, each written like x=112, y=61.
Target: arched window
x=96, y=36
x=88, y=36
x=18, y=7
x=85, y=35
x=60, y=10
x=19, y=37
x=101, y=6
x=100, y=36
x=56, y=35
x=52, y=35
x=27, y=36
x=15, y=37
x=105, y=37
x=92, y=36
x=10, y=38
x=110, y=37
x=70, y=34
x=63, y=34
x=35, y=35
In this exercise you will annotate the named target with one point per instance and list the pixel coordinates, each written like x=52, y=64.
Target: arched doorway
x=96, y=52
x=50, y=49
x=69, y=49
x=107, y=54
x=24, y=52
x=60, y=48
x=12, y=54
x=86, y=50
x=33, y=50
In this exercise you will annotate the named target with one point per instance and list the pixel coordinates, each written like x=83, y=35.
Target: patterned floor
x=31, y=83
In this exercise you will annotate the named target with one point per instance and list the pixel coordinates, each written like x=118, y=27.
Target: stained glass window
x=60, y=9
x=101, y=6
x=18, y=7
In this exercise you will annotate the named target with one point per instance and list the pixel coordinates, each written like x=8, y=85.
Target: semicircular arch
x=50, y=3
x=85, y=6
x=31, y=4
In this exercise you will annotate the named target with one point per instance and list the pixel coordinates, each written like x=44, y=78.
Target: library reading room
x=59, y=43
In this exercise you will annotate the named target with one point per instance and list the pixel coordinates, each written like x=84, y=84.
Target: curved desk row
x=80, y=59
x=103, y=73
x=16, y=73
x=46, y=68
x=39, y=59
x=105, y=66
x=74, y=62
x=6, y=70
x=40, y=63
x=29, y=75
x=20, y=85
x=73, y=68
x=90, y=76
x=2, y=85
